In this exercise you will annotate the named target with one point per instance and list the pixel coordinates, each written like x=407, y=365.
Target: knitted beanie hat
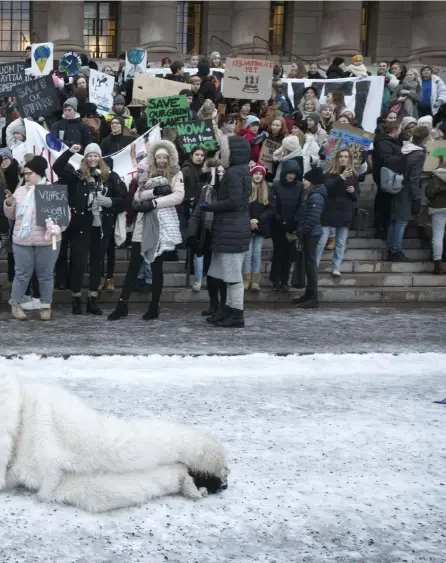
x=118, y=118
x=315, y=116
x=258, y=168
x=315, y=176
x=38, y=164
x=251, y=119
x=291, y=143
x=71, y=102
x=93, y=147
x=119, y=99
x=357, y=59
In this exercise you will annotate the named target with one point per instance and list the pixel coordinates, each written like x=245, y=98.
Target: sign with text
x=11, y=74
x=37, y=97
x=52, y=203
x=197, y=134
x=151, y=87
x=101, y=87
x=266, y=154
x=248, y=78
x=168, y=110
x=435, y=155
x=344, y=136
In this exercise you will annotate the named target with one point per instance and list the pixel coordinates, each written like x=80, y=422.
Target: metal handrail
x=284, y=51
x=221, y=41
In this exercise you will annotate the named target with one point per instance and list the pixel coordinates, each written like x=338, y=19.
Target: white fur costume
x=52, y=443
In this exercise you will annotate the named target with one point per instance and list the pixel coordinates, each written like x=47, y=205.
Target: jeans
x=253, y=258
x=198, y=267
x=395, y=235
x=145, y=273
x=341, y=234
x=438, y=226
x=28, y=259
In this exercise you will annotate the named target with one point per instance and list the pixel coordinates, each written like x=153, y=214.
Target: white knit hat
x=93, y=147
x=163, y=151
x=291, y=143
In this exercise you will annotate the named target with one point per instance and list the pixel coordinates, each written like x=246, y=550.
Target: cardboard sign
x=248, y=78
x=167, y=111
x=266, y=154
x=37, y=98
x=101, y=87
x=197, y=133
x=70, y=63
x=42, y=55
x=435, y=155
x=345, y=136
x=135, y=61
x=11, y=74
x=151, y=87
x=52, y=203
x=217, y=73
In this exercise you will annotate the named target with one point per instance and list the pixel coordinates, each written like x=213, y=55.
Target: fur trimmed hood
x=166, y=145
x=207, y=110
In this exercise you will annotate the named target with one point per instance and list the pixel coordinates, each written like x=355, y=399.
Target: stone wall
x=129, y=25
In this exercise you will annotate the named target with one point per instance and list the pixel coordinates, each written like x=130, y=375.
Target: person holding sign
x=33, y=249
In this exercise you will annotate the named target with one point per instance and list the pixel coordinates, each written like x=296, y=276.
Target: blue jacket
x=310, y=222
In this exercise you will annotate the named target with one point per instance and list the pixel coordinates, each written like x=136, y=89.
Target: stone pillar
x=158, y=32
x=428, y=44
x=341, y=27
x=66, y=26
x=250, y=19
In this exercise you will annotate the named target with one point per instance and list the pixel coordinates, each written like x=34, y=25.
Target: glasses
x=27, y=173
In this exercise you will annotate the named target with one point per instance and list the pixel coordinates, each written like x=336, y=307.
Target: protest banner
x=435, y=155
x=101, y=87
x=345, y=136
x=217, y=73
x=248, y=78
x=167, y=111
x=11, y=74
x=52, y=203
x=70, y=63
x=37, y=98
x=135, y=61
x=151, y=87
x=197, y=133
x=266, y=154
x=42, y=58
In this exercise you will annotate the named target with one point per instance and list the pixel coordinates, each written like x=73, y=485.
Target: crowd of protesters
x=221, y=206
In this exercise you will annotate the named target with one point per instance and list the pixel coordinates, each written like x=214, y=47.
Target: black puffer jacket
x=263, y=213
x=310, y=222
x=335, y=71
x=288, y=197
x=384, y=146
x=207, y=89
x=115, y=143
x=340, y=205
x=231, y=229
x=75, y=132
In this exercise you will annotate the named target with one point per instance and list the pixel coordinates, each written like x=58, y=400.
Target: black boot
x=77, y=306
x=310, y=303
x=301, y=299
x=93, y=307
x=213, y=308
x=221, y=314
x=276, y=286
x=121, y=311
x=437, y=267
x=235, y=319
x=401, y=257
x=153, y=312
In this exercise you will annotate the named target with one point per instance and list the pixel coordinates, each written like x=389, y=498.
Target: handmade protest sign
x=37, y=98
x=345, y=136
x=52, y=203
x=197, y=133
x=70, y=63
x=168, y=110
x=266, y=154
x=248, y=78
x=151, y=87
x=100, y=87
x=11, y=74
x=435, y=155
x=42, y=55
x=135, y=61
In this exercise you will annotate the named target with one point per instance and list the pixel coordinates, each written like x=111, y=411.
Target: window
x=100, y=28
x=14, y=26
x=277, y=27
x=189, y=16
x=364, y=43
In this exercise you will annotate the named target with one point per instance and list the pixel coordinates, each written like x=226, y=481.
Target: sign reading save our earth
x=168, y=110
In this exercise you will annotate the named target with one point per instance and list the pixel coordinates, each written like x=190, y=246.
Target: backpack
x=391, y=182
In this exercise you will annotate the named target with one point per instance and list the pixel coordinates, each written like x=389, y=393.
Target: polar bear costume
x=52, y=443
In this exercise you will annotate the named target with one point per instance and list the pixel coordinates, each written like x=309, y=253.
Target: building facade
x=411, y=31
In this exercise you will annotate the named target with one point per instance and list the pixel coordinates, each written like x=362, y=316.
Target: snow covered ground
x=333, y=459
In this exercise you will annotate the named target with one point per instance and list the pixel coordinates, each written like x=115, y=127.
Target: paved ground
x=279, y=330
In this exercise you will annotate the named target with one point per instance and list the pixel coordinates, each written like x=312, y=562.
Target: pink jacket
x=37, y=235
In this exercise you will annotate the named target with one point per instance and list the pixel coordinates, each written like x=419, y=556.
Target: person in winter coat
x=157, y=228
x=320, y=136
x=357, y=69
x=385, y=145
x=261, y=210
x=177, y=69
x=390, y=82
x=119, y=109
x=433, y=92
x=116, y=141
x=288, y=195
x=15, y=134
x=70, y=130
x=297, y=70
x=326, y=114
x=313, y=72
x=191, y=113
x=408, y=125
x=32, y=244
x=341, y=206
x=406, y=204
x=336, y=101
x=251, y=134
x=208, y=90
x=231, y=228
x=335, y=70
x=277, y=130
x=436, y=195
x=398, y=70
x=310, y=231
x=215, y=60
x=95, y=196
x=279, y=99
x=291, y=150
x=407, y=95
x=197, y=97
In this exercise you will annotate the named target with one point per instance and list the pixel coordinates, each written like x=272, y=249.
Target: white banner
x=101, y=88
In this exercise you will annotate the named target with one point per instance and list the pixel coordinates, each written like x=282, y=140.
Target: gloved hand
x=161, y=190
x=204, y=204
x=416, y=207
x=103, y=200
x=144, y=206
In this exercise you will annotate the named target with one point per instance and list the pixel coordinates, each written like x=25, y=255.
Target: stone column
x=341, y=27
x=249, y=19
x=158, y=32
x=66, y=26
x=428, y=44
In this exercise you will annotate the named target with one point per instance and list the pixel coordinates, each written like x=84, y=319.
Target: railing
x=222, y=41
x=274, y=46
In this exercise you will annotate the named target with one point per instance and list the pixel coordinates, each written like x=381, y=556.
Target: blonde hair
x=84, y=170
x=415, y=71
x=334, y=167
x=155, y=171
x=259, y=192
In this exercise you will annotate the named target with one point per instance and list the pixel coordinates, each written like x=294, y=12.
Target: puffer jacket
x=340, y=205
x=263, y=213
x=114, y=143
x=313, y=207
x=411, y=164
x=231, y=229
x=288, y=198
x=75, y=132
x=436, y=189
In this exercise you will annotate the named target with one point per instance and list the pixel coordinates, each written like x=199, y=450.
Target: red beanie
x=258, y=168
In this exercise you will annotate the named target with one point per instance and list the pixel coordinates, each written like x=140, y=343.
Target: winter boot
x=93, y=307
x=121, y=311
x=310, y=303
x=255, y=282
x=16, y=311
x=76, y=308
x=110, y=285
x=401, y=257
x=153, y=312
x=213, y=308
x=247, y=281
x=276, y=286
x=331, y=243
x=235, y=319
x=45, y=312
x=437, y=267
x=101, y=284
x=302, y=298
x=219, y=315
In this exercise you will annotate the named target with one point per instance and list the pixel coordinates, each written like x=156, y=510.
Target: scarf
x=25, y=211
x=297, y=152
x=358, y=71
x=150, y=236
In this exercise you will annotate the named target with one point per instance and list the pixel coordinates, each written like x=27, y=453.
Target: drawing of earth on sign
x=41, y=56
x=53, y=143
x=70, y=63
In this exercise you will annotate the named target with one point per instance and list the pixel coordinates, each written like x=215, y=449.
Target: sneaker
x=335, y=272
x=31, y=304
x=101, y=284
x=196, y=286
x=331, y=243
x=45, y=314
x=17, y=311
x=110, y=286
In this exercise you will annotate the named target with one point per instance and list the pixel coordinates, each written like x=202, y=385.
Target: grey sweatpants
x=29, y=258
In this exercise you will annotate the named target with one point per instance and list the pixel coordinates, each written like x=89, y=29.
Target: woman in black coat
x=95, y=196
x=116, y=141
x=341, y=206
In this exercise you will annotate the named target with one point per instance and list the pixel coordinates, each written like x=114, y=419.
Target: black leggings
x=217, y=290
x=81, y=246
x=131, y=276
x=111, y=259
x=281, y=262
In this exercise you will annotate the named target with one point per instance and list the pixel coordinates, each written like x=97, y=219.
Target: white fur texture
x=54, y=444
